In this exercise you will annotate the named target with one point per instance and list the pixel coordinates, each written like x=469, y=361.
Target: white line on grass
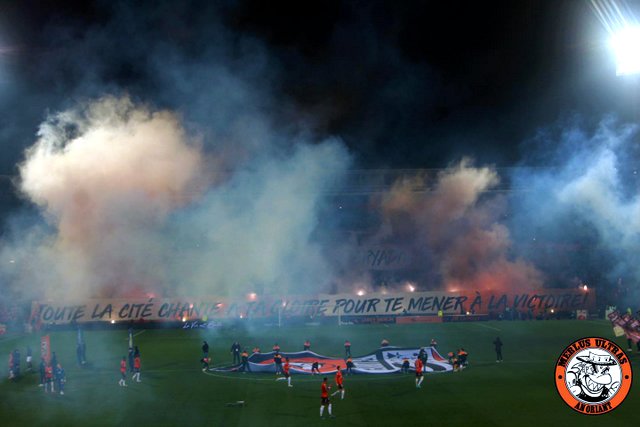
x=488, y=327
x=136, y=334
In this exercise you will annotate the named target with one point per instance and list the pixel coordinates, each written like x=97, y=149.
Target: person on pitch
x=60, y=378
x=235, y=350
x=350, y=366
x=245, y=361
x=324, y=398
x=497, y=343
x=339, y=384
x=347, y=348
x=205, y=349
x=136, y=369
x=405, y=366
x=419, y=377
x=277, y=360
x=123, y=372
x=48, y=379
x=285, y=371
x=205, y=363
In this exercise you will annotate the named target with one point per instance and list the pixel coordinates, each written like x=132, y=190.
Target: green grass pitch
x=175, y=392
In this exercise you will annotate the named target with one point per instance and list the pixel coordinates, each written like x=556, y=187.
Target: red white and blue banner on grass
x=625, y=324
x=385, y=360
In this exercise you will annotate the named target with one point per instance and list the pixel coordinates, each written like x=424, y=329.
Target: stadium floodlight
x=626, y=47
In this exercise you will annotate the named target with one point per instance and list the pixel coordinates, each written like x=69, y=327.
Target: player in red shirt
x=339, y=385
x=123, y=372
x=285, y=370
x=324, y=396
x=136, y=369
x=419, y=376
x=48, y=378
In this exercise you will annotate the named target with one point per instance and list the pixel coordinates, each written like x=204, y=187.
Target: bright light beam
x=626, y=47
x=618, y=19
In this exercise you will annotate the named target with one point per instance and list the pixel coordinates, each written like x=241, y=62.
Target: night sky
x=405, y=84
x=276, y=95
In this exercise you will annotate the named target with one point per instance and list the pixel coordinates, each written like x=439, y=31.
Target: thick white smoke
x=259, y=230
x=133, y=205
x=457, y=224
x=589, y=199
x=106, y=176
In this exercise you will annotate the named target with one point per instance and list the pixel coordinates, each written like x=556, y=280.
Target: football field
x=175, y=392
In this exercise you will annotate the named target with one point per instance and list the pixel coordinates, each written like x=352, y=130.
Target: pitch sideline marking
x=488, y=327
x=136, y=334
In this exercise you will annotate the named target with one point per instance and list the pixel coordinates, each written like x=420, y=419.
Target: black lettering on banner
x=397, y=304
x=477, y=301
x=428, y=305
x=373, y=302
x=322, y=307
x=550, y=301
x=520, y=300
x=497, y=305
x=147, y=310
x=107, y=310
x=47, y=313
x=163, y=310
x=79, y=314
x=348, y=306
x=310, y=307
x=123, y=311
x=414, y=303
x=448, y=303
x=340, y=302
x=460, y=304
x=438, y=302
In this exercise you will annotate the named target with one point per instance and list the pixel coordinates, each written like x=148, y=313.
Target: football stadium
x=244, y=213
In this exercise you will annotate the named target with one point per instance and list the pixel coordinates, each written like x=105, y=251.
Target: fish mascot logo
x=593, y=375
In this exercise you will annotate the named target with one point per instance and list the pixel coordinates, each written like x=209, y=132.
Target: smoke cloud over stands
x=212, y=174
x=107, y=176
x=456, y=227
x=588, y=200
x=134, y=208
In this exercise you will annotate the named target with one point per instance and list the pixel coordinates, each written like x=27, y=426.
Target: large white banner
x=253, y=306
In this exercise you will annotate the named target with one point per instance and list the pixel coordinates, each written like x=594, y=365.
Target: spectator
x=235, y=350
x=497, y=343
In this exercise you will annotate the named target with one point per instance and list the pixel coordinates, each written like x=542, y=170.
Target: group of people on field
x=458, y=359
x=134, y=367
x=52, y=376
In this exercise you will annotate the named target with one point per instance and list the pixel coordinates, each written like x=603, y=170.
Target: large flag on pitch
x=385, y=360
